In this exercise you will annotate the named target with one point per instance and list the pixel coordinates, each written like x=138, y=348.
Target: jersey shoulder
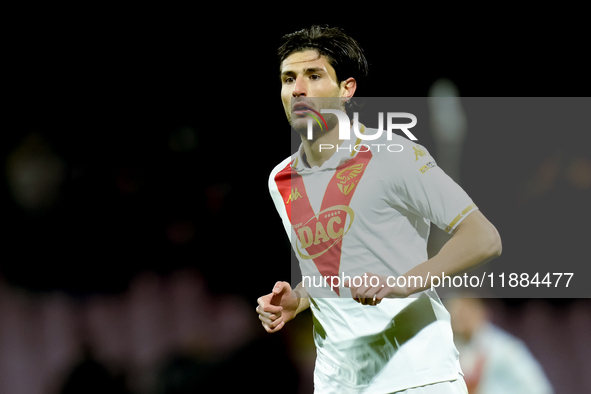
x=399, y=153
x=284, y=164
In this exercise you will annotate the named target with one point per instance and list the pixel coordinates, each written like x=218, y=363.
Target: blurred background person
x=449, y=127
x=493, y=360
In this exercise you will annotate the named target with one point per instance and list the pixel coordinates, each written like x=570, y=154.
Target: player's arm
x=474, y=242
x=280, y=306
x=421, y=187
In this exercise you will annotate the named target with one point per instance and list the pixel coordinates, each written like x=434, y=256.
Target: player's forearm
x=303, y=297
x=475, y=242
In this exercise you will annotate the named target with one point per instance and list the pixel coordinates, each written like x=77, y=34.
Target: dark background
x=161, y=134
x=113, y=101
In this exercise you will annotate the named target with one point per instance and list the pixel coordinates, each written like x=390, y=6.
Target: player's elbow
x=490, y=243
x=494, y=245
x=483, y=235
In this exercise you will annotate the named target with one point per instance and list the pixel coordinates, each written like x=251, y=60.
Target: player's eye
x=288, y=80
x=314, y=77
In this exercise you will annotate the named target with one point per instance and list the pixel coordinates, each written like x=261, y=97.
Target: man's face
x=467, y=315
x=305, y=75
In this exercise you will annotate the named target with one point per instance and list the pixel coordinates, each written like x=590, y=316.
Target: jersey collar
x=345, y=152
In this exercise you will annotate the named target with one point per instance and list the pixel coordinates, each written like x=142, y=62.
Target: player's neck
x=320, y=149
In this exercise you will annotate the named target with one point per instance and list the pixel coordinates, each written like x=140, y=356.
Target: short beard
x=317, y=131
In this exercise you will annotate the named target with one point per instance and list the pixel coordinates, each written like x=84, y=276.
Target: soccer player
x=364, y=215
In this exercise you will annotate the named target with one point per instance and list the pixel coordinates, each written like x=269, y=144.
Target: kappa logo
x=295, y=194
x=418, y=152
x=346, y=175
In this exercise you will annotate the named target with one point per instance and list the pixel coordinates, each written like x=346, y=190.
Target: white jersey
x=362, y=211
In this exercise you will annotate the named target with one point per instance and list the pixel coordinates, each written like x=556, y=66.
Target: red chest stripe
x=320, y=234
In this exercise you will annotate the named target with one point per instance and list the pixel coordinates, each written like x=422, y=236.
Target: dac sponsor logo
x=323, y=231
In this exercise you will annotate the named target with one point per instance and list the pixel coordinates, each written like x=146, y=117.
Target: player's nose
x=299, y=88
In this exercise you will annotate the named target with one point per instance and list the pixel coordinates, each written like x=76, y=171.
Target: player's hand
x=277, y=308
x=373, y=291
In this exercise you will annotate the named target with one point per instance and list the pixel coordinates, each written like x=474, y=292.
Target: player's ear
x=348, y=87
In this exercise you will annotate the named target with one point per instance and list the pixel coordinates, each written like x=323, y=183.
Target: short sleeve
x=276, y=195
x=422, y=187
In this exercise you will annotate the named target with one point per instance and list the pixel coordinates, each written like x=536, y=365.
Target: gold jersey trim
x=450, y=227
